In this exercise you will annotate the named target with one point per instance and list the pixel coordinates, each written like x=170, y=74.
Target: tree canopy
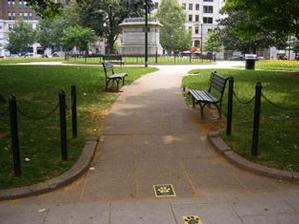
x=174, y=35
x=280, y=18
x=20, y=37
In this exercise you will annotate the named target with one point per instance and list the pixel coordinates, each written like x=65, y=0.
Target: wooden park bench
x=204, y=97
x=113, y=58
x=111, y=76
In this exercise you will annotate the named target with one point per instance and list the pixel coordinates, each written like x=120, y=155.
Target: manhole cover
x=164, y=190
x=192, y=219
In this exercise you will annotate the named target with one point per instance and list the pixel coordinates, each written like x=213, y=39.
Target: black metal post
x=74, y=111
x=201, y=39
x=230, y=106
x=63, y=136
x=14, y=135
x=146, y=34
x=256, y=121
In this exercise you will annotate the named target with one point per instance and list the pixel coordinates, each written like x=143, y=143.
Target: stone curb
x=78, y=169
x=221, y=147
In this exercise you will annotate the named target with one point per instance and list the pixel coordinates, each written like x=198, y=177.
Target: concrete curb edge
x=76, y=171
x=222, y=148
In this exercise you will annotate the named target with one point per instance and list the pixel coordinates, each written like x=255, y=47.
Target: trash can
x=250, y=61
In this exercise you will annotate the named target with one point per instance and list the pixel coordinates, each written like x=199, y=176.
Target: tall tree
x=238, y=32
x=280, y=18
x=174, y=36
x=212, y=42
x=79, y=37
x=21, y=37
x=50, y=29
x=105, y=16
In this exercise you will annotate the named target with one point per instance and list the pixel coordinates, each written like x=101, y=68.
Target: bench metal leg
x=107, y=84
x=123, y=81
x=193, y=102
x=117, y=84
x=201, y=110
x=219, y=110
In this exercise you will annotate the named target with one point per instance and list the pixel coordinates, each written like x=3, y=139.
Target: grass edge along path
x=36, y=89
x=279, y=138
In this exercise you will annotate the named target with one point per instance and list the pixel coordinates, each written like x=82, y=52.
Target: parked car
x=237, y=58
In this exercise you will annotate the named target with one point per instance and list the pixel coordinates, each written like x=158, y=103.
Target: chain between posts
x=38, y=117
x=241, y=101
x=278, y=106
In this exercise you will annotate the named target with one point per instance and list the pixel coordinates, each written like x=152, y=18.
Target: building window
x=11, y=16
x=196, y=18
x=208, y=0
x=190, y=18
x=10, y=27
x=196, y=30
x=184, y=6
x=11, y=3
x=197, y=7
x=207, y=19
x=208, y=9
x=156, y=5
x=196, y=43
x=30, y=15
x=190, y=6
x=190, y=29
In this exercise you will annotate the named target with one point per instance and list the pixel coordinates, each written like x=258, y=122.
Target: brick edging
x=77, y=170
x=222, y=148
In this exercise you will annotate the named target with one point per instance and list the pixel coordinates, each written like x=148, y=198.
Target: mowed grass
x=36, y=89
x=279, y=136
x=4, y=61
x=280, y=65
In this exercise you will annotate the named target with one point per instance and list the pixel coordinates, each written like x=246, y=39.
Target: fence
x=256, y=113
x=139, y=59
x=15, y=109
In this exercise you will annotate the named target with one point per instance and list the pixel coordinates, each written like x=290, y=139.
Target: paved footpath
x=152, y=137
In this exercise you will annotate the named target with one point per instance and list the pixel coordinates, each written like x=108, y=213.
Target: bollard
x=230, y=106
x=14, y=135
x=63, y=136
x=256, y=120
x=74, y=111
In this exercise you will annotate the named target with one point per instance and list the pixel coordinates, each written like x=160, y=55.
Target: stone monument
x=133, y=36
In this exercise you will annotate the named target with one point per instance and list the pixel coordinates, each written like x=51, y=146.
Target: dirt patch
x=211, y=121
x=3, y=134
x=296, y=74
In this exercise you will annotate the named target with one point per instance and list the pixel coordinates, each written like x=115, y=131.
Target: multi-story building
x=10, y=11
x=201, y=16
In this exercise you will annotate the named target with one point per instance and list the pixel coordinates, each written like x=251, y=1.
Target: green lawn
x=4, y=61
x=36, y=89
x=280, y=65
x=279, y=137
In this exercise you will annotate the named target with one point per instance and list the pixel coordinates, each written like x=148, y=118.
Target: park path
x=152, y=137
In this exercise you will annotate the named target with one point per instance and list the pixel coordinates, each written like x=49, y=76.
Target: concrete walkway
x=152, y=137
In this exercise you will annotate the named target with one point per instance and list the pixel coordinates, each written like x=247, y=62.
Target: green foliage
x=212, y=42
x=174, y=36
x=20, y=37
x=79, y=37
x=278, y=141
x=46, y=8
x=105, y=16
x=238, y=31
x=50, y=30
x=278, y=18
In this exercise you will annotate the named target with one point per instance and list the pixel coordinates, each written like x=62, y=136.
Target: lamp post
x=146, y=34
x=201, y=23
